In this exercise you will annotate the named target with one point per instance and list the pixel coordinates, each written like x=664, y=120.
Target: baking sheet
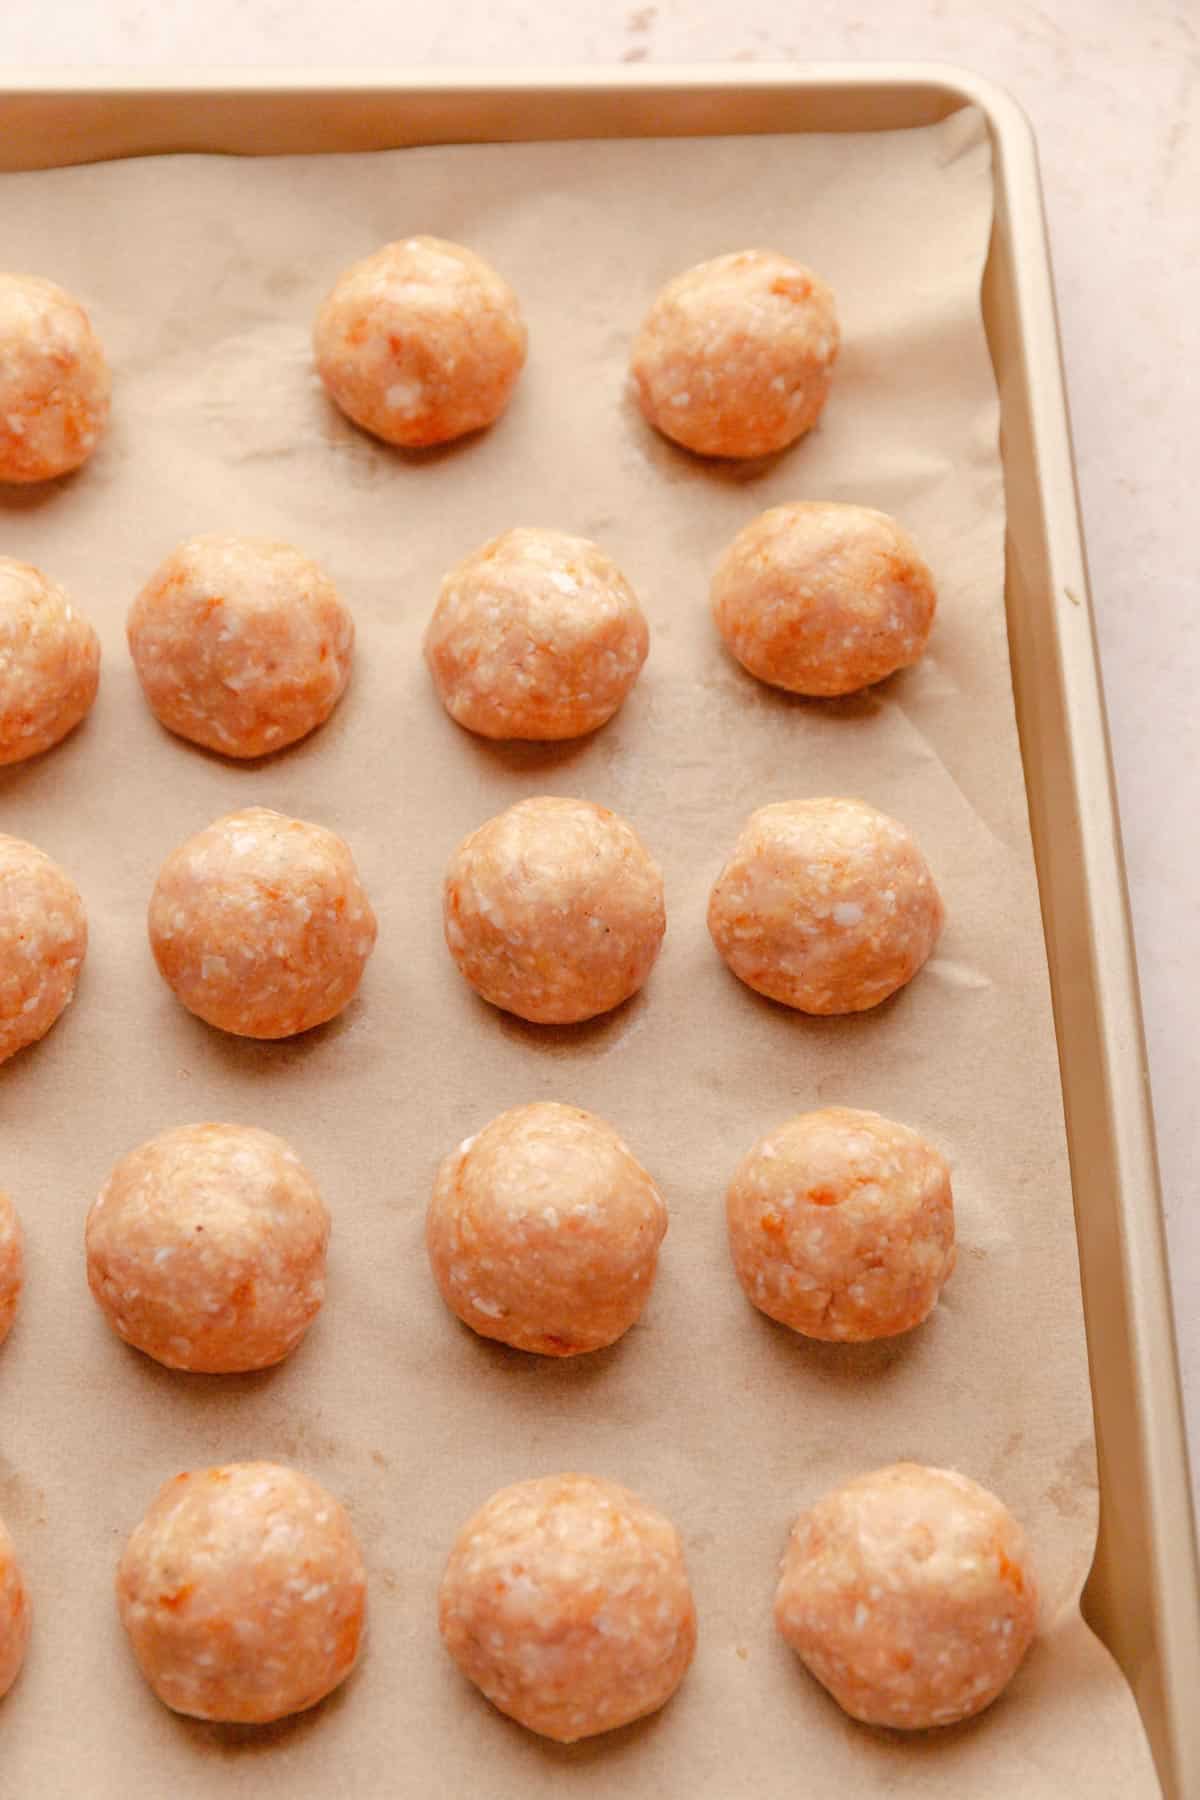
x=203, y=275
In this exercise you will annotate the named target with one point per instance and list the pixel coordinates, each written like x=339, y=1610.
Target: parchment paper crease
x=203, y=275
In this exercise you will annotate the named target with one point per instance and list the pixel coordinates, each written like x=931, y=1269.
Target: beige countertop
x=1113, y=90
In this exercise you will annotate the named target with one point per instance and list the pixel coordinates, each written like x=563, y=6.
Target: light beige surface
x=995, y=1383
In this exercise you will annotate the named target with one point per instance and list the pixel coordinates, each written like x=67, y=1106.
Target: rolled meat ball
x=54, y=381
x=825, y=905
x=206, y=1248
x=909, y=1593
x=14, y=1613
x=241, y=644
x=841, y=1225
x=823, y=599
x=566, y=1601
x=420, y=342
x=12, y=1264
x=260, y=925
x=543, y=1231
x=43, y=941
x=736, y=355
x=243, y=1593
x=536, y=635
x=49, y=663
x=554, y=910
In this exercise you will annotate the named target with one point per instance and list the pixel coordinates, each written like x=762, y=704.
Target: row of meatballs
x=553, y=910
x=206, y=1247
x=424, y=341
x=908, y=1593
x=244, y=645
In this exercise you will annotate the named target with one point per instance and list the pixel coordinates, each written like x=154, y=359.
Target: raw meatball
x=826, y=905
x=537, y=635
x=841, y=1225
x=566, y=1600
x=54, y=381
x=12, y=1268
x=543, y=1231
x=14, y=1613
x=823, y=599
x=260, y=924
x=49, y=663
x=909, y=1594
x=243, y=1592
x=420, y=342
x=206, y=1248
x=43, y=941
x=554, y=910
x=241, y=644
x=734, y=357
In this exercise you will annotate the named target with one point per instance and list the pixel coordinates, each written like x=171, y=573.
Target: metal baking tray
x=1143, y=1594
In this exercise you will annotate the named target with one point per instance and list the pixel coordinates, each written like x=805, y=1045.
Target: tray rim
x=1161, y=1653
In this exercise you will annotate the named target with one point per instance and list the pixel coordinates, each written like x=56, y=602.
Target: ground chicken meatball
x=206, y=1248
x=543, y=1231
x=260, y=924
x=240, y=644
x=566, y=1600
x=841, y=1225
x=14, y=1613
x=421, y=342
x=243, y=1593
x=54, y=381
x=49, y=663
x=554, y=910
x=825, y=905
x=43, y=941
x=12, y=1264
x=909, y=1594
x=735, y=356
x=823, y=599
x=536, y=635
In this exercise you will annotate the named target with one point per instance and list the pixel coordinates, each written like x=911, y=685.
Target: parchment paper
x=203, y=275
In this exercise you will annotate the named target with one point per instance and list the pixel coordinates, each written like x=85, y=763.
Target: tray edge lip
x=955, y=79
x=1161, y=1423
